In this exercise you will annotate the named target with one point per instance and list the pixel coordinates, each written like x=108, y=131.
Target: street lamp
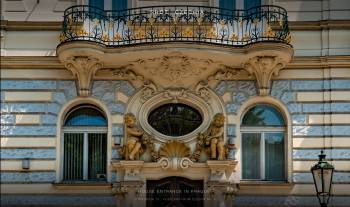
x=322, y=173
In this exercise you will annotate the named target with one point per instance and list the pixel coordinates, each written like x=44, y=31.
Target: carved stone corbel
x=221, y=193
x=83, y=68
x=264, y=67
x=132, y=170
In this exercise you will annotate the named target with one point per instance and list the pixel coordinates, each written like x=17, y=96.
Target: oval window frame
x=206, y=110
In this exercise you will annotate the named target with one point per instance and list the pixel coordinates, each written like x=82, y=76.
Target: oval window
x=175, y=119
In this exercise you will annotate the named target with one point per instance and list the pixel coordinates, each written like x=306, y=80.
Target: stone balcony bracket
x=262, y=60
x=84, y=69
x=264, y=68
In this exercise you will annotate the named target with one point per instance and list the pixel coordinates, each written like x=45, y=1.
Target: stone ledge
x=266, y=184
x=83, y=186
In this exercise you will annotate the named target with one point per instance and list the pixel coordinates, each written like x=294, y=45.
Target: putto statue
x=213, y=139
x=137, y=141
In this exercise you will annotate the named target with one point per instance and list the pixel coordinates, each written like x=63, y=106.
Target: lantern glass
x=317, y=173
x=327, y=180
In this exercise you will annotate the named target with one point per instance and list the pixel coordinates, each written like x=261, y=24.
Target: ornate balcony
x=176, y=24
x=176, y=40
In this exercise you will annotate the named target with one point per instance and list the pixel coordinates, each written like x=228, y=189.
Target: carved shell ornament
x=174, y=149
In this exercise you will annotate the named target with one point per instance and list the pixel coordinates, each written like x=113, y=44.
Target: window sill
x=82, y=185
x=265, y=188
x=265, y=183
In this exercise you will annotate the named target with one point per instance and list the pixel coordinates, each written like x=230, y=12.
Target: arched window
x=263, y=144
x=84, y=144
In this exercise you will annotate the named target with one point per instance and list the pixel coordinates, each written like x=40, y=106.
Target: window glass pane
x=97, y=156
x=252, y=8
x=175, y=119
x=226, y=8
x=274, y=156
x=96, y=9
x=263, y=115
x=85, y=116
x=251, y=3
x=73, y=156
x=251, y=155
x=119, y=4
x=97, y=3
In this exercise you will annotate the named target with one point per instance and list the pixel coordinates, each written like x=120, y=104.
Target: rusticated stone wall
x=29, y=111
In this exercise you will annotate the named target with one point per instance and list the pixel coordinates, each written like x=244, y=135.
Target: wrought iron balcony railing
x=176, y=24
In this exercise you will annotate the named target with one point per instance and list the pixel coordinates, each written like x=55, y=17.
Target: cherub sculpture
x=137, y=141
x=214, y=137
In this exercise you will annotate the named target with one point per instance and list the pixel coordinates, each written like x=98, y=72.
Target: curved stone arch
x=61, y=116
x=287, y=117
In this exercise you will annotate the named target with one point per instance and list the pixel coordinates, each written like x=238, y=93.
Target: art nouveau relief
x=168, y=84
x=150, y=153
x=175, y=69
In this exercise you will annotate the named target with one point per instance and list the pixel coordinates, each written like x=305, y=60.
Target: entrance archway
x=174, y=192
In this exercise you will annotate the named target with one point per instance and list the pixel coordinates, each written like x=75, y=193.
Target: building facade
x=173, y=103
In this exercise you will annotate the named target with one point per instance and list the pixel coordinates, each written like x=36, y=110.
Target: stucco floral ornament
x=174, y=67
x=149, y=90
x=202, y=90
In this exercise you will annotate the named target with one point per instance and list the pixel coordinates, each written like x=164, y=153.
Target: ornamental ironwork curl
x=175, y=24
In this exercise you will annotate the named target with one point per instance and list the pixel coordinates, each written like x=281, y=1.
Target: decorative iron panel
x=97, y=156
x=73, y=156
x=175, y=24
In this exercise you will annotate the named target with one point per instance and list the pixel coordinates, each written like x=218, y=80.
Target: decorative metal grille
x=73, y=156
x=176, y=23
x=80, y=164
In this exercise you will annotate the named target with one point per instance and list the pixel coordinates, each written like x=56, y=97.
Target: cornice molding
x=319, y=25
x=57, y=25
x=30, y=26
x=31, y=62
x=52, y=62
x=318, y=62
